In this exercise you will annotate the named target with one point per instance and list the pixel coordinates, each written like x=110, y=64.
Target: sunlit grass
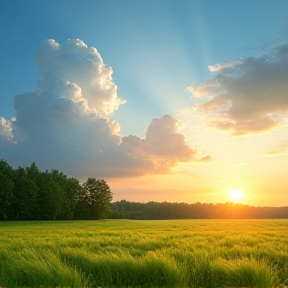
x=123, y=253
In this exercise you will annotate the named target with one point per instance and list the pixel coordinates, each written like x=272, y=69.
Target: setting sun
x=236, y=194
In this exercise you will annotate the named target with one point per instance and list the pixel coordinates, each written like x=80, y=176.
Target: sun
x=236, y=195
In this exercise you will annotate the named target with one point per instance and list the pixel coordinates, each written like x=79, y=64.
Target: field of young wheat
x=123, y=253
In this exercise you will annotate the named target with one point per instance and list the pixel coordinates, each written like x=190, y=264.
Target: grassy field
x=123, y=253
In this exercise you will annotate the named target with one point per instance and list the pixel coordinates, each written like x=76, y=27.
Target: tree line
x=29, y=194
x=166, y=210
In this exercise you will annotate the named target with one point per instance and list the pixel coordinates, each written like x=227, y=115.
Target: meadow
x=130, y=253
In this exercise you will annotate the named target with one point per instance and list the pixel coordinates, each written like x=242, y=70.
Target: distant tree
x=95, y=202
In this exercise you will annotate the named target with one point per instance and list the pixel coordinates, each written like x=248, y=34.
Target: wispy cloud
x=64, y=122
x=248, y=95
x=281, y=148
x=219, y=67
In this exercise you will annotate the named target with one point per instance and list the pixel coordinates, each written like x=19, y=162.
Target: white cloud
x=247, y=96
x=76, y=62
x=64, y=122
x=5, y=130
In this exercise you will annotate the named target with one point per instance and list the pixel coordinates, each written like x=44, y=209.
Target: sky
x=177, y=101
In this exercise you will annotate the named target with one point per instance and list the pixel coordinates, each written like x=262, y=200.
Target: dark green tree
x=6, y=190
x=25, y=195
x=97, y=198
x=70, y=188
x=50, y=198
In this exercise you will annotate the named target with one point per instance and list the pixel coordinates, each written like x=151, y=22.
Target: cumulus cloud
x=5, y=130
x=163, y=145
x=247, y=95
x=64, y=122
x=76, y=62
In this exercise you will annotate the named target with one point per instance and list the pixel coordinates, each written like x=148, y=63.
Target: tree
x=25, y=196
x=96, y=201
x=6, y=190
x=71, y=188
x=51, y=197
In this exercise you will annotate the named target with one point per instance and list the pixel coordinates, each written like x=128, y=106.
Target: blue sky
x=156, y=48
x=160, y=52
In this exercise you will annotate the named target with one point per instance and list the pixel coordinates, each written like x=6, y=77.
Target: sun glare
x=236, y=195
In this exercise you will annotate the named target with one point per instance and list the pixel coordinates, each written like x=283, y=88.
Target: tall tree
x=51, y=197
x=6, y=190
x=97, y=198
x=25, y=195
x=71, y=188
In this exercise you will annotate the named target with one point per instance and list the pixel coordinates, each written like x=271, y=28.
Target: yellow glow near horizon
x=236, y=195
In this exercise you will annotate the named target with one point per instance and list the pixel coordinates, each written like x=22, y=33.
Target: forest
x=31, y=194
x=166, y=210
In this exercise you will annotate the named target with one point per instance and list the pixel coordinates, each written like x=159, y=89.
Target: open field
x=123, y=253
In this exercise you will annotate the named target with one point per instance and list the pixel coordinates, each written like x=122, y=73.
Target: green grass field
x=123, y=253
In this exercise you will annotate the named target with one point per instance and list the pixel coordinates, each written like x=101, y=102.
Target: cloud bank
x=247, y=95
x=64, y=122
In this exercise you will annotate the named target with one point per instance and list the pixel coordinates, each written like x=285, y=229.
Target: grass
x=144, y=254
